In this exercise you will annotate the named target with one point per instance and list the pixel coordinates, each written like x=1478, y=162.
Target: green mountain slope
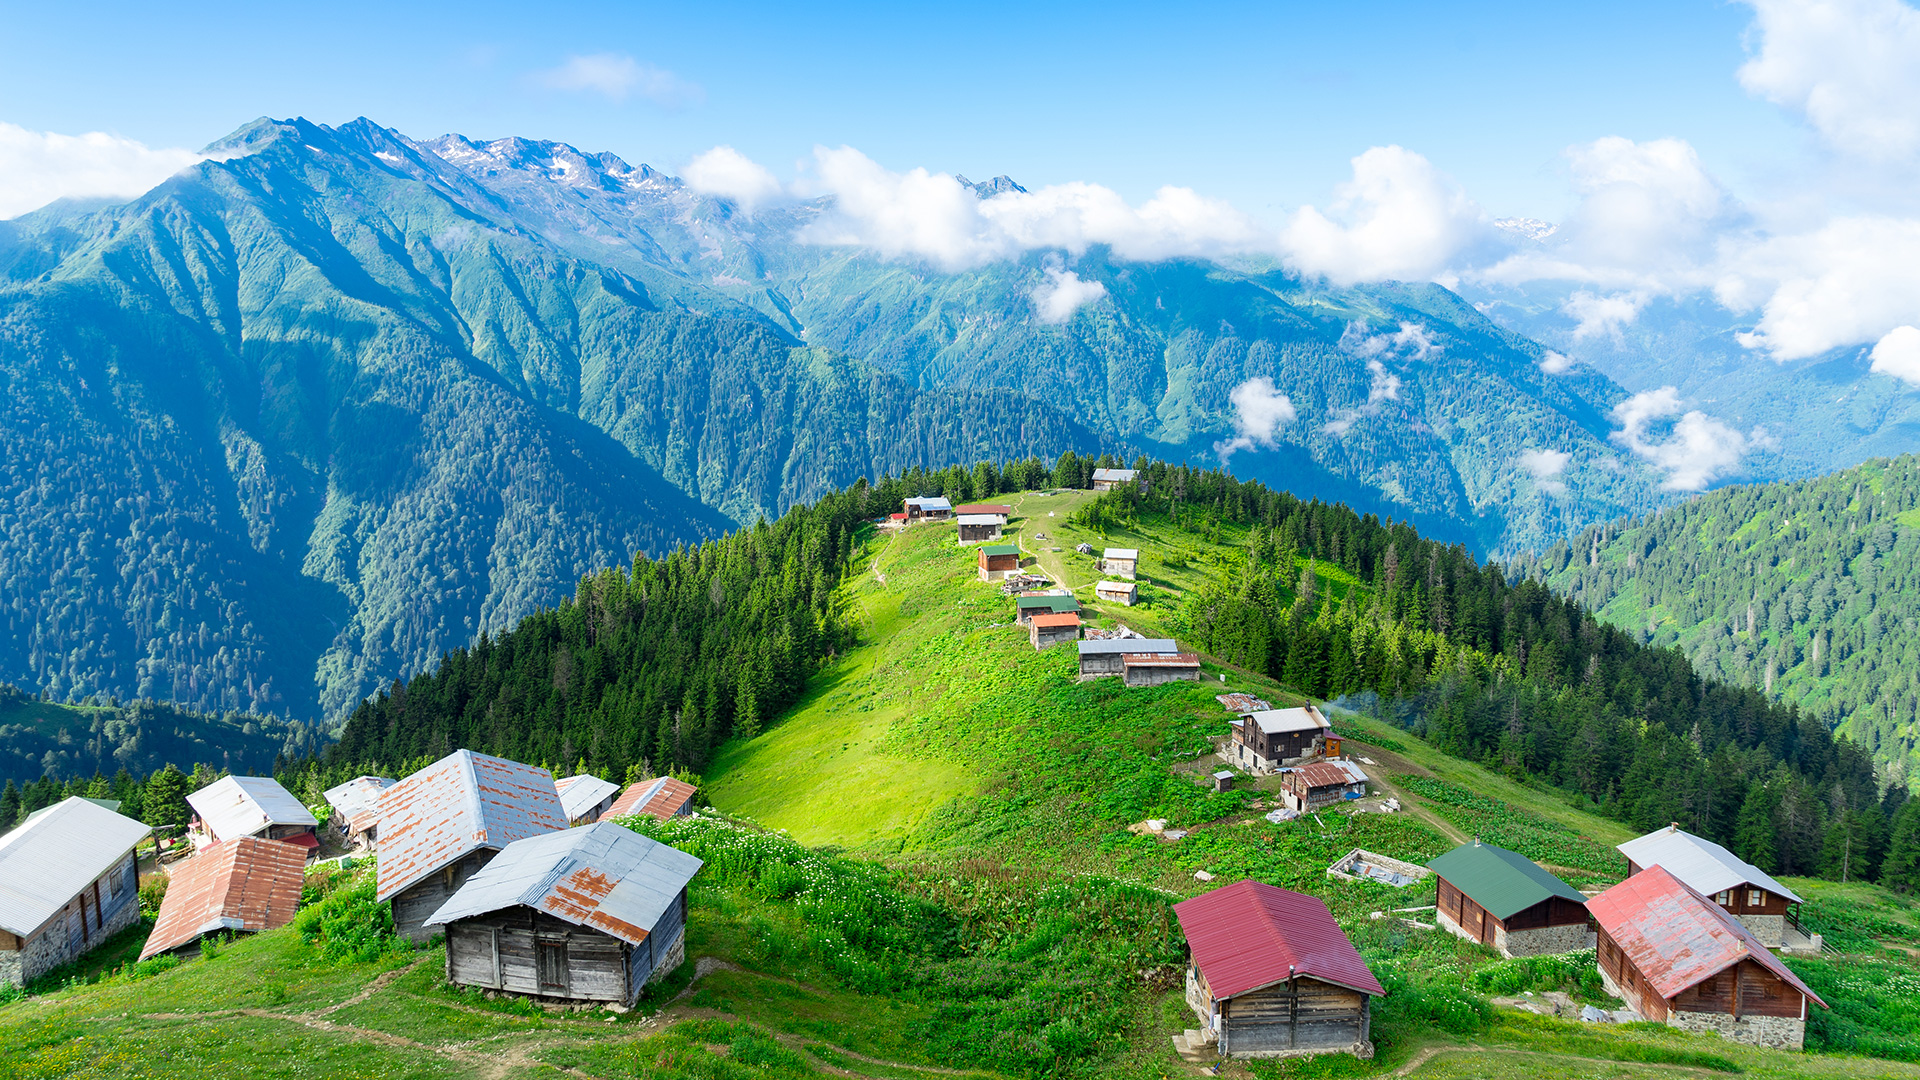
x=44, y=738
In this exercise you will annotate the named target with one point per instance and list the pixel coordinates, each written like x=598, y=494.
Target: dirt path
x=1050, y=561
x=1390, y=763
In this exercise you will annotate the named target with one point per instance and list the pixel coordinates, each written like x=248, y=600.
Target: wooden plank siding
x=414, y=905
x=1744, y=899
x=524, y=951
x=1748, y=989
x=1299, y=1014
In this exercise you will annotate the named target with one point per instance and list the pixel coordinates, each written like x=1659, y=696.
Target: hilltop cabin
x=1026, y=607
x=1105, y=656
x=1270, y=739
x=69, y=880
x=1680, y=959
x=588, y=914
x=1747, y=892
x=1120, y=562
x=999, y=560
x=237, y=806
x=1117, y=592
x=441, y=825
x=1052, y=628
x=1152, y=669
x=1273, y=976
x=356, y=810
x=245, y=885
x=929, y=508
x=585, y=797
x=1000, y=511
x=979, y=528
x=661, y=797
x=1108, y=479
x=1322, y=783
x=1507, y=902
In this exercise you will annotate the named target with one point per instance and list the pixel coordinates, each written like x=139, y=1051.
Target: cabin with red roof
x=1273, y=976
x=1677, y=958
x=1052, y=628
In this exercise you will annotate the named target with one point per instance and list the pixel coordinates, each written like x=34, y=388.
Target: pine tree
x=9, y=806
x=166, y=799
x=1901, y=869
x=1753, y=832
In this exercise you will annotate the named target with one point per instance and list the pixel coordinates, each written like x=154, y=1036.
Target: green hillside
x=44, y=738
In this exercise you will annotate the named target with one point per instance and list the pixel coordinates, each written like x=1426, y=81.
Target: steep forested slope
x=41, y=739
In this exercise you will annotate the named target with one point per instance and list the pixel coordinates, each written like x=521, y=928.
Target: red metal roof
x=244, y=884
x=1135, y=659
x=897, y=517
x=1064, y=618
x=983, y=508
x=1248, y=935
x=661, y=797
x=1676, y=937
x=462, y=802
x=301, y=840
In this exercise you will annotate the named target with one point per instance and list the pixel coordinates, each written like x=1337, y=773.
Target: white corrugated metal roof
x=933, y=502
x=603, y=876
x=581, y=793
x=48, y=858
x=236, y=806
x=1277, y=721
x=978, y=519
x=1116, y=475
x=1129, y=645
x=1121, y=553
x=1705, y=866
x=359, y=798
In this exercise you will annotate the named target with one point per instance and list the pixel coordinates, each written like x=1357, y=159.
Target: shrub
x=1576, y=973
x=153, y=890
x=350, y=924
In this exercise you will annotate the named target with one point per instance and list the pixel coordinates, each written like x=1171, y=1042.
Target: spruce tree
x=1901, y=869
x=165, y=803
x=1753, y=832
x=9, y=806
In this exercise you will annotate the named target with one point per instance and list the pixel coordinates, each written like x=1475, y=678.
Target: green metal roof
x=1000, y=549
x=1051, y=603
x=1499, y=880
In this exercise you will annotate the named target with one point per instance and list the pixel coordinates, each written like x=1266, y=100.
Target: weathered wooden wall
x=1300, y=1014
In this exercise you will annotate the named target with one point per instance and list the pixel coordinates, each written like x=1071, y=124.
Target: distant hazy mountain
x=335, y=400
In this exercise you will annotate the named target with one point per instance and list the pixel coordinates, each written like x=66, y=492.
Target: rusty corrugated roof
x=1248, y=935
x=462, y=802
x=1328, y=774
x=243, y=884
x=1676, y=937
x=1061, y=618
x=661, y=797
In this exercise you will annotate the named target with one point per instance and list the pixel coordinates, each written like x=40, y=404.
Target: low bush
x=1576, y=973
x=350, y=924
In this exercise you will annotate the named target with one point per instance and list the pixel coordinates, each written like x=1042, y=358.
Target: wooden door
x=550, y=962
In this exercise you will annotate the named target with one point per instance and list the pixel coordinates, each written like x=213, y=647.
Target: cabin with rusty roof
x=1107, y=656
x=1745, y=891
x=1322, y=783
x=69, y=880
x=245, y=885
x=1509, y=903
x=236, y=806
x=1053, y=628
x=1154, y=668
x=661, y=797
x=356, y=810
x=1272, y=975
x=589, y=914
x=1125, y=593
x=585, y=797
x=441, y=825
x=1680, y=959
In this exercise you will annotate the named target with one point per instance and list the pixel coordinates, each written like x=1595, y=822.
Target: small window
x=1756, y=898
x=1710, y=985
x=1725, y=898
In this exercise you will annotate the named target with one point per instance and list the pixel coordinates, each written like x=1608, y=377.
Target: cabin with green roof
x=1508, y=902
x=999, y=560
x=1026, y=607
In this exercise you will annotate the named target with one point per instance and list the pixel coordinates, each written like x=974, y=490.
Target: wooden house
x=1269, y=739
x=237, y=806
x=441, y=825
x=1507, y=902
x=1108, y=479
x=1120, y=562
x=1322, y=783
x=1677, y=958
x=1000, y=511
x=978, y=528
x=1117, y=592
x=356, y=810
x=1273, y=976
x=1053, y=628
x=1105, y=656
x=245, y=885
x=588, y=914
x=661, y=797
x=1747, y=892
x=69, y=880
x=585, y=797
x=999, y=560
x=1154, y=668
x=927, y=508
x=1026, y=607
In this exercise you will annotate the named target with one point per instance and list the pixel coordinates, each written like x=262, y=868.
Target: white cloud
x=37, y=167
x=1413, y=339
x=1898, y=354
x=1546, y=467
x=1850, y=281
x=1259, y=410
x=1600, y=315
x=1556, y=363
x=1849, y=66
x=1695, y=450
x=1397, y=218
x=1063, y=293
x=617, y=77
x=730, y=174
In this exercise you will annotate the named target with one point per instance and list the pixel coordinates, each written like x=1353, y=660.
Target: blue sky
x=1259, y=104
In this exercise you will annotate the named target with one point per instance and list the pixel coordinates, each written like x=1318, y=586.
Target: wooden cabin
x=1322, y=783
x=1153, y=669
x=1106, y=656
x=1117, y=592
x=442, y=825
x=1053, y=628
x=978, y=528
x=927, y=508
x=587, y=914
x=245, y=885
x=999, y=560
x=1120, y=562
x=356, y=810
x=585, y=797
x=661, y=797
x=1000, y=511
x=1677, y=958
x=1026, y=607
x=1272, y=975
x=1269, y=739
x=1108, y=479
x=1745, y=891
x=1509, y=903
x=237, y=806
x=69, y=880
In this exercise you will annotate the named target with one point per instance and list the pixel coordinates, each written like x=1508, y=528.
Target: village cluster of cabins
x=535, y=892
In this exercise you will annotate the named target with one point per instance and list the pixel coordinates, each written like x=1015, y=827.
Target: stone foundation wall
x=1770, y=929
x=1771, y=1032
x=1545, y=940
x=1361, y=1050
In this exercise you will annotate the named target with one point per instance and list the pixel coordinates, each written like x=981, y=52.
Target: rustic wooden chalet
x=978, y=528
x=1108, y=479
x=1117, y=592
x=588, y=914
x=661, y=797
x=1120, y=562
x=441, y=825
x=237, y=806
x=356, y=809
x=1106, y=656
x=243, y=885
x=1680, y=959
x=1154, y=668
x=1026, y=607
x=585, y=797
x=1507, y=902
x=1747, y=892
x=1322, y=783
x=69, y=880
x=928, y=508
x=999, y=560
x=1051, y=628
x=1268, y=739
x=1273, y=976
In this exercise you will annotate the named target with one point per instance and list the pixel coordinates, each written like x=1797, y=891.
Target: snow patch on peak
x=1528, y=228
